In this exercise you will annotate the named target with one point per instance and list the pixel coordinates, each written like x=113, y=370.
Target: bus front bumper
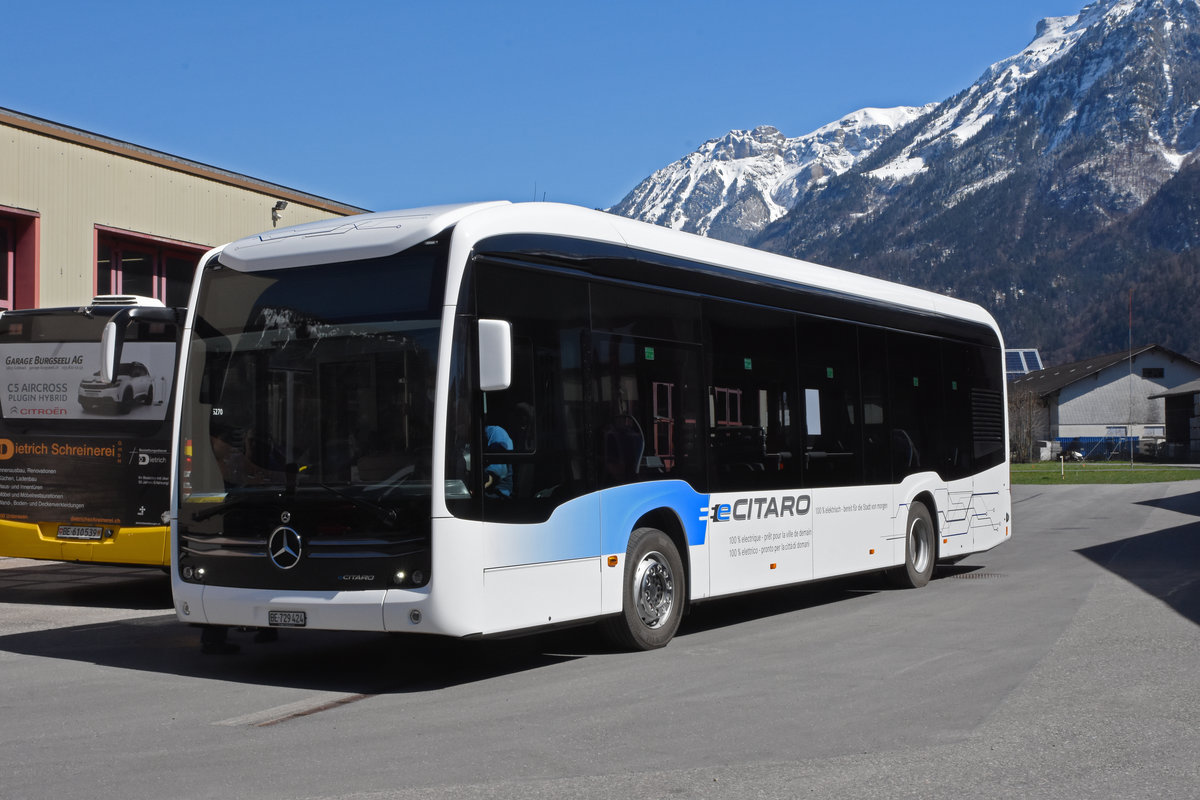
x=363, y=610
x=48, y=541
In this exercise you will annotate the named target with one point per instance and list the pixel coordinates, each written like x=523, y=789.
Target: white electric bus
x=485, y=419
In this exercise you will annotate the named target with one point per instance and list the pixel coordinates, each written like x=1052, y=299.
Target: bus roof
x=100, y=304
x=382, y=233
x=345, y=238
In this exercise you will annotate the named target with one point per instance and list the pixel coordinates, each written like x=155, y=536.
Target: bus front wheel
x=653, y=593
x=920, y=549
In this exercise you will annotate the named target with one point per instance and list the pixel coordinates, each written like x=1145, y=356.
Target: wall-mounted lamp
x=277, y=211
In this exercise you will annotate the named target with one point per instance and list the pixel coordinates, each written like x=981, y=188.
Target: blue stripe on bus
x=570, y=533
x=621, y=506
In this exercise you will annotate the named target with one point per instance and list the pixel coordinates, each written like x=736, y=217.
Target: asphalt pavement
x=1065, y=663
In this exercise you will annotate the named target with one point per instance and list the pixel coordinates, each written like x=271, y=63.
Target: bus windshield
x=319, y=379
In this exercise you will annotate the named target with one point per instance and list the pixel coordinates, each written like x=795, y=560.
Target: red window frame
x=19, y=257
x=164, y=267
x=7, y=266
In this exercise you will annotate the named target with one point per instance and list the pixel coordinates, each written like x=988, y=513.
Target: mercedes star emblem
x=284, y=547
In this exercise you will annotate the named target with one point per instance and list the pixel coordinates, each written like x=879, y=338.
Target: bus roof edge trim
x=379, y=234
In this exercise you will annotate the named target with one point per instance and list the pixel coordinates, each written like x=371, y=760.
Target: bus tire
x=920, y=549
x=653, y=592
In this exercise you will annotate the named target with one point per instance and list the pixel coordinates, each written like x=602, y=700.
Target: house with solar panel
x=1021, y=361
x=1106, y=407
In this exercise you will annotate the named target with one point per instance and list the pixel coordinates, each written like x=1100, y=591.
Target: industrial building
x=1183, y=421
x=82, y=214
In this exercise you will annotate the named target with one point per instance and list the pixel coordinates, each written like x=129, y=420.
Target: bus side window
x=541, y=412
x=646, y=391
x=646, y=410
x=829, y=375
x=957, y=385
x=872, y=347
x=752, y=437
x=914, y=368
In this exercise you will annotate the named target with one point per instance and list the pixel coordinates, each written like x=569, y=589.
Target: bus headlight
x=193, y=574
x=405, y=577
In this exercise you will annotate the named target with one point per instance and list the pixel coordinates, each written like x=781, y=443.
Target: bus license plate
x=287, y=619
x=80, y=532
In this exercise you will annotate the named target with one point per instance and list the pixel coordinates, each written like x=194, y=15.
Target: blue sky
x=396, y=104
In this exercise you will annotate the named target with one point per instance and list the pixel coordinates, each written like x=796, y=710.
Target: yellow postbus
x=85, y=456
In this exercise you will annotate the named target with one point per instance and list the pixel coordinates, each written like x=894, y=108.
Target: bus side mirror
x=110, y=347
x=495, y=355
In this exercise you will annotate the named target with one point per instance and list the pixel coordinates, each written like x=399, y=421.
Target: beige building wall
x=79, y=184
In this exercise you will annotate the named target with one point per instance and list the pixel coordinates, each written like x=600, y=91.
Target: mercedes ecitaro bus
x=484, y=419
x=84, y=454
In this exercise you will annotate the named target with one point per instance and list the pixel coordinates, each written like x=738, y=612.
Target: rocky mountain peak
x=1053, y=183
x=733, y=186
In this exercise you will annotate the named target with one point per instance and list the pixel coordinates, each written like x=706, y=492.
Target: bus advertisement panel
x=84, y=461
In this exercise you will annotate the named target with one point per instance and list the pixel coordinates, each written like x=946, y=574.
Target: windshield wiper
x=237, y=502
x=387, y=516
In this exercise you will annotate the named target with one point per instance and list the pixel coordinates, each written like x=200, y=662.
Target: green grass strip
x=1106, y=472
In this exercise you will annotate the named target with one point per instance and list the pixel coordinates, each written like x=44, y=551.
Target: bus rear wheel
x=653, y=593
x=920, y=550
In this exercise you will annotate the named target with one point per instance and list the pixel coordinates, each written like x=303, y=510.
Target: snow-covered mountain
x=732, y=187
x=1107, y=74
x=1053, y=184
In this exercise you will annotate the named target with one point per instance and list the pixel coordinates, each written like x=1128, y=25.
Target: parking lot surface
x=1065, y=663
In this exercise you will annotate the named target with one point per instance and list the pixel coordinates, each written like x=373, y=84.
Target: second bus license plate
x=85, y=533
